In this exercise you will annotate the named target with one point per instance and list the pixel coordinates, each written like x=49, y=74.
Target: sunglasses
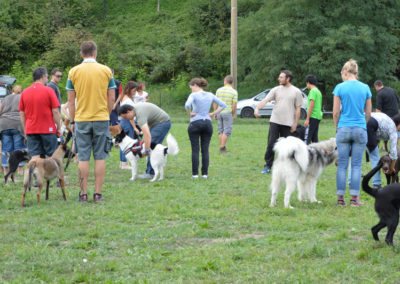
x=59, y=76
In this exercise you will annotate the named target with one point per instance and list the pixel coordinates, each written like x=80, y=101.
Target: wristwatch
x=72, y=122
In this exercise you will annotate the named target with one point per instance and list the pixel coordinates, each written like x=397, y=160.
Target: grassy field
x=179, y=230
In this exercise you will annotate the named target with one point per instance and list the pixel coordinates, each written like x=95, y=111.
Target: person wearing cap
x=314, y=110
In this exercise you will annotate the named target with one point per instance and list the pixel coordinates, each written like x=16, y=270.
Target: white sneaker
x=204, y=176
x=195, y=177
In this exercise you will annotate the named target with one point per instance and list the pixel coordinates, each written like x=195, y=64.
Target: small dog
x=48, y=169
x=134, y=150
x=386, y=164
x=298, y=163
x=14, y=158
x=387, y=204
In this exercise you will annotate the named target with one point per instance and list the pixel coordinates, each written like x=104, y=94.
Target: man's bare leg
x=99, y=172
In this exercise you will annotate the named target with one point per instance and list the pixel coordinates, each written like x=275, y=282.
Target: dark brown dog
x=387, y=204
x=48, y=169
x=386, y=164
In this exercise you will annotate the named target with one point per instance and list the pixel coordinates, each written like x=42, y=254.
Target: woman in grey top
x=200, y=127
x=11, y=130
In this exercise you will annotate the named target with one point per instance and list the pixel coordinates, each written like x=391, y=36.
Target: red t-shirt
x=37, y=101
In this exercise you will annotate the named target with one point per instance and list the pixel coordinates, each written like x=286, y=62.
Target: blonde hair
x=351, y=67
x=17, y=89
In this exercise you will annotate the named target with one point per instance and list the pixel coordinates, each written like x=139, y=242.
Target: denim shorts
x=92, y=135
x=11, y=140
x=42, y=144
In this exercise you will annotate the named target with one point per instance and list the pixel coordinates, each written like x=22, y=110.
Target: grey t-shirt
x=286, y=101
x=150, y=114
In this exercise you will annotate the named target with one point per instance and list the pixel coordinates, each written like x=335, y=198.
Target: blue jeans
x=128, y=129
x=374, y=157
x=11, y=139
x=158, y=133
x=350, y=140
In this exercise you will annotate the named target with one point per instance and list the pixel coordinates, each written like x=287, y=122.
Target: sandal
x=341, y=202
x=83, y=198
x=97, y=198
x=355, y=202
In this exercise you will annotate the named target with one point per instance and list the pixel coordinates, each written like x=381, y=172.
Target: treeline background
x=188, y=38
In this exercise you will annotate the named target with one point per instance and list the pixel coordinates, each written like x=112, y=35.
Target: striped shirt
x=228, y=95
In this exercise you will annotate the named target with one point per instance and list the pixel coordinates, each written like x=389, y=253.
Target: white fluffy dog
x=134, y=150
x=298, y=163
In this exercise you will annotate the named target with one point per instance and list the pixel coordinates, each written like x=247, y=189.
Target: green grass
x=179, y=230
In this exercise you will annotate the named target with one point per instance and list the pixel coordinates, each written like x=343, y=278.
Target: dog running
x=387, y=204
x=14, y=158
x=48, y=169
x=298, y=163
x=134, y=149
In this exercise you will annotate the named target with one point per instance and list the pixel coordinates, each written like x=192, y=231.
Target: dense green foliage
x=192, y=38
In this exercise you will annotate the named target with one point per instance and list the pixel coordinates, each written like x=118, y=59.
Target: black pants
x=312, y=135
x=200, y=131
x=275, y=131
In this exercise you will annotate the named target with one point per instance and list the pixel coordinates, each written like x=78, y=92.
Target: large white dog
x=134, y=150
x=298, y=163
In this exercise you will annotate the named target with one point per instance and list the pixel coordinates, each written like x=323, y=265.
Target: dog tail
x=173, y=148
x=365, y=186
x=32, y=166
x=292, y=148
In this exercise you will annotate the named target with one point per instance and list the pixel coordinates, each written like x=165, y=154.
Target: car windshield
x=261, y=95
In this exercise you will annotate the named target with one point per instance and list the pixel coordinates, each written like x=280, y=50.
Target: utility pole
x=234, y=42
x=158, y=6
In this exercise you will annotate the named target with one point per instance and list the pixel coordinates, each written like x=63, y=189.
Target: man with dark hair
x=314, y=110
x=387, y=100
x=229, y=96
x=40, y=115
x=154, y=122
x=56, y=75
x=285, y=115
x=92, y=85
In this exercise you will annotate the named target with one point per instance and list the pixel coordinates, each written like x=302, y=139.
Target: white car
x=245, y=108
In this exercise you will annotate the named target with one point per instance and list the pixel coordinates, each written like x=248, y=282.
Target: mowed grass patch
x=183, y=230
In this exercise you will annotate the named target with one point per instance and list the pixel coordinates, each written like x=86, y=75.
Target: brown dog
x=386, y=164
x=48, y=169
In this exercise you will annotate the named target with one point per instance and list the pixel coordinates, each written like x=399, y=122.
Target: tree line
x=162, y=41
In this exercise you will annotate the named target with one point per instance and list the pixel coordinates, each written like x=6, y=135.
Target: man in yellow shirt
x=90, y=88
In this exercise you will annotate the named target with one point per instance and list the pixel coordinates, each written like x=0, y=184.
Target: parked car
x=245, y=108
x=6, y=83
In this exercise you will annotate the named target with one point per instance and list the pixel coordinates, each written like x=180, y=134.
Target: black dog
x=14, y=158
x=387, y=204
x=386, y=164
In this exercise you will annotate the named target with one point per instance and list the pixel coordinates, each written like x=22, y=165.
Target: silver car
x=245, y=108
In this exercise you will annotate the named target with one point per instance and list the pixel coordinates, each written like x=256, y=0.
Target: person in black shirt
x=387, y=100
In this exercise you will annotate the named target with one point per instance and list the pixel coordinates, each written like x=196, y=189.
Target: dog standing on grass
x=14, y=158
x=297, y=163
x=48, y=169
x=387, y=205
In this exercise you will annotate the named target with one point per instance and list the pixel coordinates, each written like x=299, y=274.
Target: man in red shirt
x=38, y=109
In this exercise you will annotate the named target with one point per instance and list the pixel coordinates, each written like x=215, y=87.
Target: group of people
x=32, y=118
x=356, y=127
x=96, y=100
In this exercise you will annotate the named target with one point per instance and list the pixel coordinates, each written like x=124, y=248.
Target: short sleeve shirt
x=287, y=99
x=316, y=96
x=38, y=102
x=150, y=114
